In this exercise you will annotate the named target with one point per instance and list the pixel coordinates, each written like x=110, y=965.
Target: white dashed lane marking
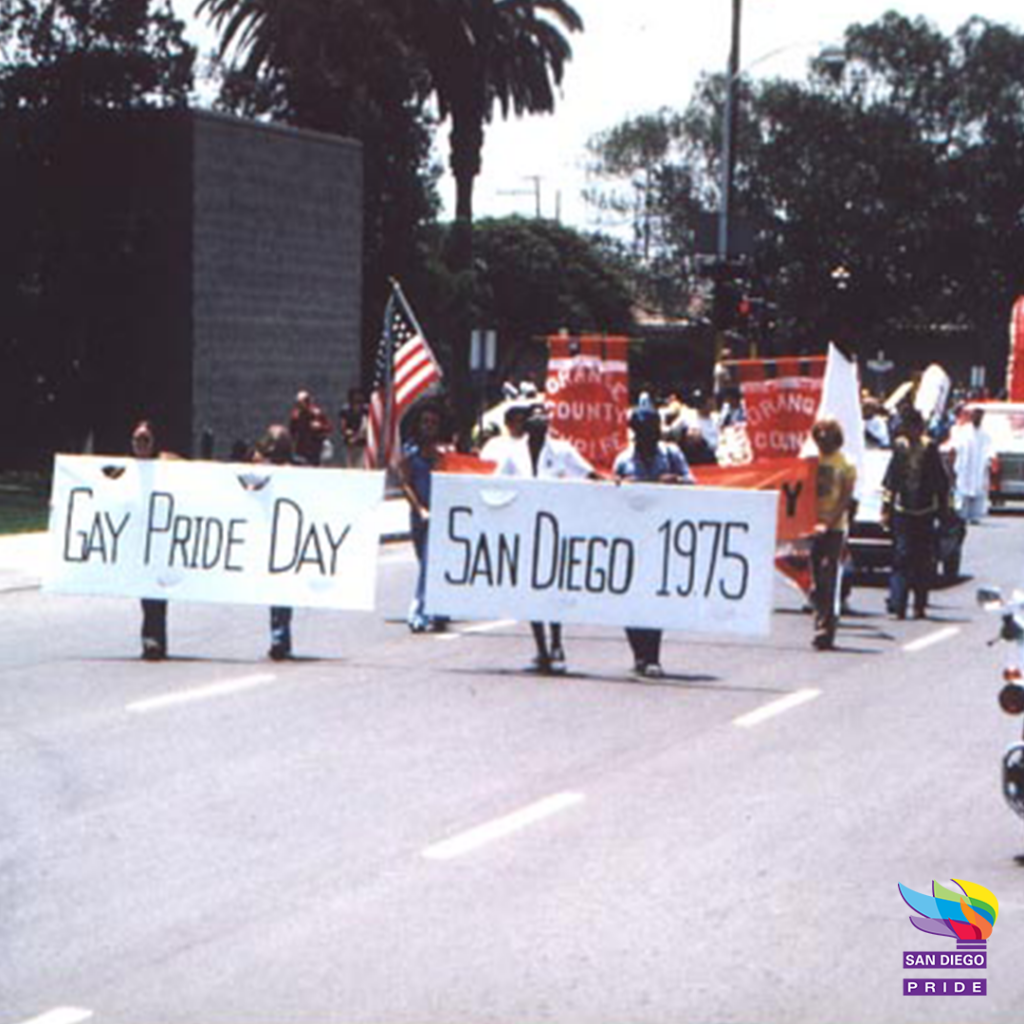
x=776, y=707
x=210, y=692
x=61, y=1015
x=467, y=842
x=933, y=638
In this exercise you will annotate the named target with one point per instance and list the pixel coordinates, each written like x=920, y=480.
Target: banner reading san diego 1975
x=206, y=531
x=684, y=558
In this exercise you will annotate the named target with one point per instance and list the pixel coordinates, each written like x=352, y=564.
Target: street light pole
x=729, y=132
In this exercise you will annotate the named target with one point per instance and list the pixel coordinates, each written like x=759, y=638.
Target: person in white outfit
x=545, y=458
x=517, y=411
x=972, y=449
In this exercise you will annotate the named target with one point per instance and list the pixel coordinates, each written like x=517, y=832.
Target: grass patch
x=24, y=502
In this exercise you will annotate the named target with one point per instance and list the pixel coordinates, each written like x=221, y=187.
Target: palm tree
x=483, y=54
x=477, y=55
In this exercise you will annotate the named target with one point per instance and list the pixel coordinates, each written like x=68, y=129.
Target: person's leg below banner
x=280, y=633
x=542, y=660
x=557, y=651
x=154, y=629
x=646, y=646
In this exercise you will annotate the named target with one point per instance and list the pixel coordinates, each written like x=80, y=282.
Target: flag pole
x=383, y=448
x=406, y=308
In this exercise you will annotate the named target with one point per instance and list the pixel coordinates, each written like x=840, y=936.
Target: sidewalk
x=21, y=559
x=22, y=554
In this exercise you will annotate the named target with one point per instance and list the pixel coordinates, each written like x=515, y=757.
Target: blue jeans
x=646, y=645
x=420, y=544
x=281, y=628
x=913, y=561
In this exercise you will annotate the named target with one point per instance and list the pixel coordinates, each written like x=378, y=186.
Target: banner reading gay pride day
x=695, y=559
x=206, y=531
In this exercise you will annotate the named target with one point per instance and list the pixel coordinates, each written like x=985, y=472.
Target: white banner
x=206, y=531
x=685, y=558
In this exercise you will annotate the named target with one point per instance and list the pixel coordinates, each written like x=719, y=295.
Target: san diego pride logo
x=968, y=917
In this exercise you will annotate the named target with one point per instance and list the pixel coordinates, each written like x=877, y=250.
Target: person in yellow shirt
x=836, y=478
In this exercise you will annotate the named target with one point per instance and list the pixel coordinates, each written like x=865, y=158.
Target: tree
x=483, y=54
x=64, y=65
x=570, y=281
x=68, y=55
x=646, y=181
x=884, y=193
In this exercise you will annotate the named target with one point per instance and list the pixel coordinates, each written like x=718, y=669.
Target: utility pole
x=535, y=191
x=729, y=132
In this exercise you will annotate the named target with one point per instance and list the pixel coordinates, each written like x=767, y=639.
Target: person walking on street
x=420, y=457
x=972, y=449
x=835, y=482
x=309, y=428
x=915, y=495
x=545, y=458
x=649, y=460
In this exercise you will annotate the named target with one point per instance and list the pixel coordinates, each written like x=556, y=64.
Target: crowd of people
x=936, y=471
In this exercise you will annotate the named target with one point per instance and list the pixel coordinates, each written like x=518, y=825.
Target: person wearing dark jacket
x=915, y=497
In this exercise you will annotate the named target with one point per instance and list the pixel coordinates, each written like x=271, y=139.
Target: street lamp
x=831, y=57
x=728, y=131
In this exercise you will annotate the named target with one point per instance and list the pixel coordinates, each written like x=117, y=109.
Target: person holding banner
x=648, y=460
x=545, y=458
x=154, y=610
x=836, y=478
x=275, y=447
x=420, y=457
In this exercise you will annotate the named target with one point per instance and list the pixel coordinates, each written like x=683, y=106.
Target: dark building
x=195, y=268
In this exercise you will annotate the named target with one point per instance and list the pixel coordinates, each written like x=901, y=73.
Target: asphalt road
x=409, y=829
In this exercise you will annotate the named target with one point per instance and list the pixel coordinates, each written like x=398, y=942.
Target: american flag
x=406, y=368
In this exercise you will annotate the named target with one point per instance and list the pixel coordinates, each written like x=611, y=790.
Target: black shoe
x=920, y=613
x=153, y=650
x=279, y=652
x=824, y=642
x=541, y=665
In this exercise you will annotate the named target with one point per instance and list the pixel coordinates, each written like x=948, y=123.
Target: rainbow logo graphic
x=967, y=916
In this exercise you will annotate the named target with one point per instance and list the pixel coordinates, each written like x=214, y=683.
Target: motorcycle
x=1011, y=696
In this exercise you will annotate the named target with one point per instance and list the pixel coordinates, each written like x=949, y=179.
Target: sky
x=635, y=56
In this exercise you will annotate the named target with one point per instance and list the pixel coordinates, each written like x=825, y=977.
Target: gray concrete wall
x=276, y=273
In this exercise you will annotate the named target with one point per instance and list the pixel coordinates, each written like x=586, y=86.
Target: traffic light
x=725, y=309
x=729, y=307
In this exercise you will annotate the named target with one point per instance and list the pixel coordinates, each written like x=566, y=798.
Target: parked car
x=1004, y=423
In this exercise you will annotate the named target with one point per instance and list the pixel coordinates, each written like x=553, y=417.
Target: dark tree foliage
x=888, y=192
x=885, y=190
x=539, y=276
x=644, y=183
x=65, y=66
x=64, y=55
